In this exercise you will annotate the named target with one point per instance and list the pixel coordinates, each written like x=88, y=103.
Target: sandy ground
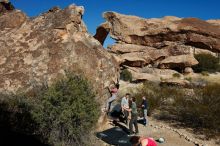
x=117, y=135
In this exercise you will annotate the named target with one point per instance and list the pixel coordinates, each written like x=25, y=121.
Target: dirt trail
x=172, y=136
x=116, y=135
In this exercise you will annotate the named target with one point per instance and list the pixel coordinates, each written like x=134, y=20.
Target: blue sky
x=203, y=9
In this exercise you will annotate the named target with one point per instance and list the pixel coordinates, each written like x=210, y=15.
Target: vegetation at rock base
x=188, y=79
x=63, y=114
x=205, y=73
x=176, y=75
x=198, y=108
x=207, y=62
x=126, y=75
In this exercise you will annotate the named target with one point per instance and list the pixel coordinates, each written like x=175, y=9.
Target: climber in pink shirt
x=142, y=141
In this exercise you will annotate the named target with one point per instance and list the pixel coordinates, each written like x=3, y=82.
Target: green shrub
x=207, y=62
x=188, y=79
x=126, y=75
x=156, y=95
x=205, y=73
x=176, y=75
x=162, y=79
x=67, y=112
x=198, y=109
x=63, y=114
x=15, y=113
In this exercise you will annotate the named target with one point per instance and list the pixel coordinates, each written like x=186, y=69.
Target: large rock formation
x=190, y=31
x=40, y=50
x=166, y=43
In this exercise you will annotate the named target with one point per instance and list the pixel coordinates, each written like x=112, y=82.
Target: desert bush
x=188, y=79
x=63, y=114
x=156, y=95
x=207, y=62
x=202, y=110
x=67, y=111
x=176, y=75
x=205, y=73
x=126, y=75
x=199, y=110
x=15, y=113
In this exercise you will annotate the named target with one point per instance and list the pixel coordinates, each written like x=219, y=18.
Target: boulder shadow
x=117, y=136
x=141, y=121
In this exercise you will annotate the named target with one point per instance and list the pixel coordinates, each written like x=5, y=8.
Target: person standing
x=125, y=106
x=134, y=116
x=144, y=107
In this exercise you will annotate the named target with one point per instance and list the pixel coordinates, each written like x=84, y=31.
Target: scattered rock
x=188, y=70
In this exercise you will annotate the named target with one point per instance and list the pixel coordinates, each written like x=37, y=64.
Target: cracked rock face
x=166, y=43
x=40, y=50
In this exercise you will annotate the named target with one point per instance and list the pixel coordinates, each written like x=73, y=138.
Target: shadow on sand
x=117, y=135
x=141, y=121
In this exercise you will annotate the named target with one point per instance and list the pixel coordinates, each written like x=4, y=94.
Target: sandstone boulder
x=6, y=21
x=189, y=31
x=137, y=59
x=122, y=48
x=41, y=50
x=136, y=55
x=180, y=62
x=188, y=70
x=139, y=77
x=215, y=22
x=151, y=74
x=173, y=48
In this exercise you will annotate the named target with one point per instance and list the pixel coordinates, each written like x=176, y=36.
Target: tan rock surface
x=140, y=31
x=136, y=55
x=151, y=74
x=138, y=76
x=40, y=50
x=215, y=22
x=180, y=61
x=128, y=48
